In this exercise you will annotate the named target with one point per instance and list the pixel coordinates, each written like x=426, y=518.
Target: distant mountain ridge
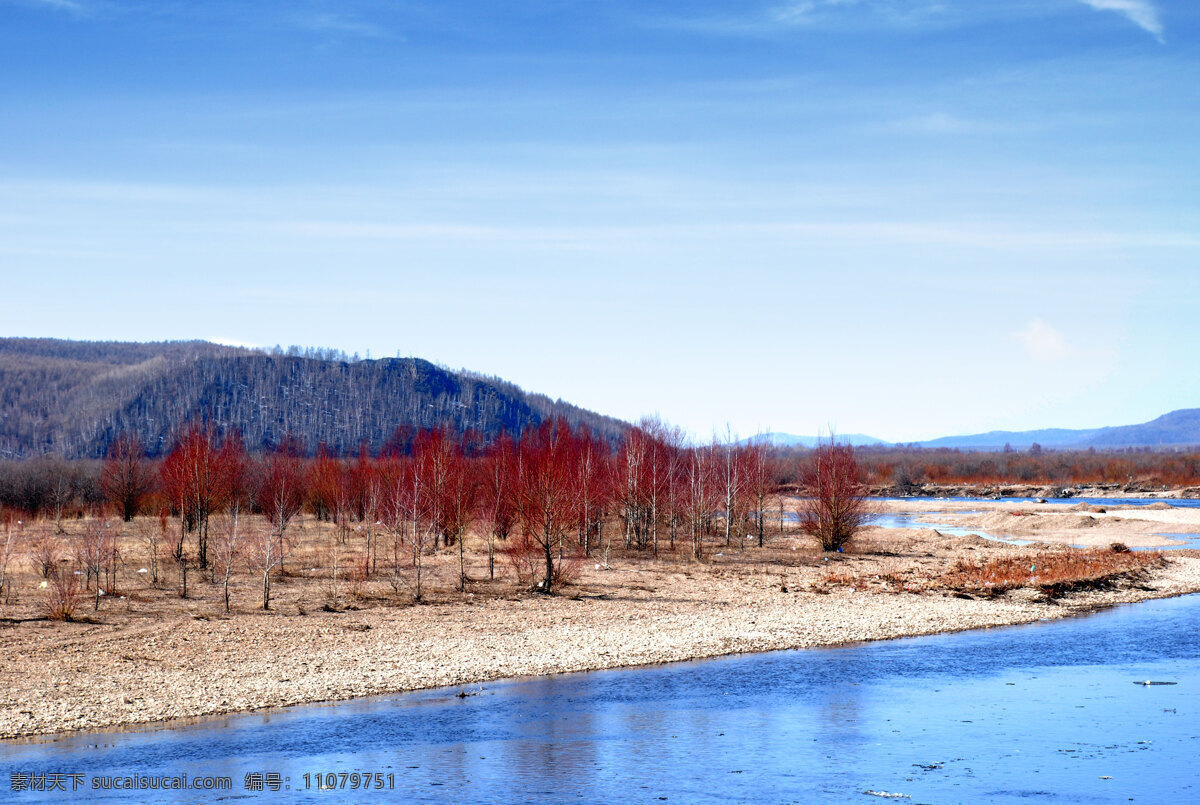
x=1176, y=429
x=75, y=397
x=792, y=440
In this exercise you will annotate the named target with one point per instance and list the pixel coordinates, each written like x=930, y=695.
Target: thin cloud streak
x=884, y=232
x=58, y=5
x=214, y=208
x=1141, y=12
x=804, y=14
x=339, y=24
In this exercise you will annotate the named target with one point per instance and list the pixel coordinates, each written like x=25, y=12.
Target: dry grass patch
x=1053, y=572
x=908, y=580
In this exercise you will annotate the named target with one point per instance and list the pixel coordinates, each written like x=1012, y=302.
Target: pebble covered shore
x=58, y=678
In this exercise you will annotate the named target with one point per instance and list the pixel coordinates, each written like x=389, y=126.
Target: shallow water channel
x=922, y=520
x=1048, y=712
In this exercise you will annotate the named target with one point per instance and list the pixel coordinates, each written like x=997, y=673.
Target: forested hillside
x=73, y=398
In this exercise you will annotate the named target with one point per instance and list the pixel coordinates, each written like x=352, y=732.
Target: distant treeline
x=53, y=486
x=427, y=491
x=902, y=467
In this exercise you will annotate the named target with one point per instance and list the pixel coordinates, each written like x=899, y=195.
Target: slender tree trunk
x=417, y=596
x=462, y=566
x=587, y=528
x=548, y=543
x=179, y=555
x=335, y=576
x=760, y=523
x=654, y=523
x=728, y=518
x=202, y=536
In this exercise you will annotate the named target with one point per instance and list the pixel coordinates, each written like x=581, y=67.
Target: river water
x=920, y=520
x=1178, y=503
x=1048, y=712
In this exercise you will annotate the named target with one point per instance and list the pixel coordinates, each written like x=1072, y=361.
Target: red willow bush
x=834, y=504
x=64, y=595
x=527, y=559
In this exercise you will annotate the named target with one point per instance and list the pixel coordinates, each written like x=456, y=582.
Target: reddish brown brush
x=907, y=467
x=1049, y=571
x=64, y=596
x=545, y=492
x=128, y=477
x=525, y=555
x=834, y=505
x=45, y=551
x=839, y=579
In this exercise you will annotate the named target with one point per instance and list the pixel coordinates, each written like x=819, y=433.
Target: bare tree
x=759, y=479
x=451, y=490
x=280, y=496
x=227, y=548
x=631, y=461
x=189, y=479
x=13, y=529
x=153, y=535
x=127, y=477
x=700, y=492
x=674, y=450
x=263, y=555
x=45, y=552
x=95, y=550
x=367, y=488
x=545, y=491
x=732, y=469
x=592, y=480
x=61, y=489
x=419, y=528
x=834, y=504
x=406, y=506
x=497, y=508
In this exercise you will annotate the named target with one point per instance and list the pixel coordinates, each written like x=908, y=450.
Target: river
x=920, y=520
x=1048, y=712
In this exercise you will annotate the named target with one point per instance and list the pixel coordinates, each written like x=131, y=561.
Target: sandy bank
x=1064, y=524
x=65, y=677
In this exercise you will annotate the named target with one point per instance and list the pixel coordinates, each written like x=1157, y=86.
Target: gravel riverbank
x=85, y=676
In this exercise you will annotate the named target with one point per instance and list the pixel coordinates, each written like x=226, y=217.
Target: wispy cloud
x=340, y=24
x=782, y=16
x=754, y=19
x=804, y=11
x=1141, y=12
x=937, y=123
x=1043, y=343
x=59, y=5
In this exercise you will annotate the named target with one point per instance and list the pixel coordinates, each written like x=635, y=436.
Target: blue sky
x=897, y=217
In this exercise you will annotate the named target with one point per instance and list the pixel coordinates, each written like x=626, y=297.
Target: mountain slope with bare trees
x=73, y=398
